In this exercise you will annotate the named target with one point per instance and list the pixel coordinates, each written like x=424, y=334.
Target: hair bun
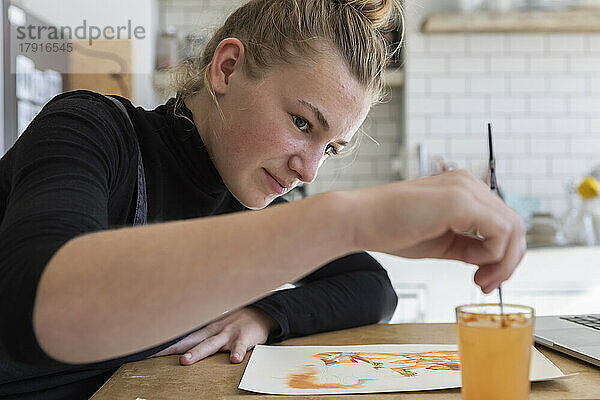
x=383, y=14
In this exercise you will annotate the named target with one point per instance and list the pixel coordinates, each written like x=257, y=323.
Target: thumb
x=238, y=351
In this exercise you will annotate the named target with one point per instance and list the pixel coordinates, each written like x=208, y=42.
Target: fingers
x=466, y=249
x=206, y=348
x=435, y=213
x=191, y=340
x=484, y=275
x=237, y=332
x=238, y=351
x=490, y=276
x=472, y=204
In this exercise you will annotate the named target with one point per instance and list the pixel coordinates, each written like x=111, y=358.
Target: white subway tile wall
x=372, y=163
x=193, y=15
x=540, y=91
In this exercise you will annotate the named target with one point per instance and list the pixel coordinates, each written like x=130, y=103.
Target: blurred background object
x=468, y=6
x=51, y=47
x=582, y=220
x=544, y=230
x=167, y=48
x=499, y=5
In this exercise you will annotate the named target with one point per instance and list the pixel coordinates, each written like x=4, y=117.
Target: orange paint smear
x=401, y=363
x=308, y=380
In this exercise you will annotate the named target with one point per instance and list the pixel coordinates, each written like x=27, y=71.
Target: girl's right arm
x=133, y=288
x=106, y=294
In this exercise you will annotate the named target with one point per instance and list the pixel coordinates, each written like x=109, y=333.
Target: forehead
x=328, y=86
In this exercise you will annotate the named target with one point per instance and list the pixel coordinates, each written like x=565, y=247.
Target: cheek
x=244, y=136
x=255, y=137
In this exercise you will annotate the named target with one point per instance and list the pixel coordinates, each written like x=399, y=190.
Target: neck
x=201, y=106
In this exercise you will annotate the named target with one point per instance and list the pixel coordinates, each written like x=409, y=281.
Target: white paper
x=302, y=370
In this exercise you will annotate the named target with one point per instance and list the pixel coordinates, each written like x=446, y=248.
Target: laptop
x=575, y=335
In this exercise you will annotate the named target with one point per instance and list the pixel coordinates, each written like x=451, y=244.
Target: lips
x=276, y=183
x=281, y=183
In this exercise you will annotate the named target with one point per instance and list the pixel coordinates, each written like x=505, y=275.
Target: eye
x=301, y=123
x=330, y=150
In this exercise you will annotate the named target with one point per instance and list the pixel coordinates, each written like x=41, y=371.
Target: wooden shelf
x=576, y=20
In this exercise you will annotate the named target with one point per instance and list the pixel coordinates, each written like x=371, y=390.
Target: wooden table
x=216, y=378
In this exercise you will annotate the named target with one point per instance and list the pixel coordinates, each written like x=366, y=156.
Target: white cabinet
x=553, y=281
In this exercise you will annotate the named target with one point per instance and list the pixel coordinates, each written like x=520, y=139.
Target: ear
x=228, y=60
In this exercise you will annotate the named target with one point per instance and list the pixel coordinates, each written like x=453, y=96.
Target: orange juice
x=495, y=351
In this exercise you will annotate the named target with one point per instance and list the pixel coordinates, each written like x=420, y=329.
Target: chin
x=253, y=207
x=254, y=203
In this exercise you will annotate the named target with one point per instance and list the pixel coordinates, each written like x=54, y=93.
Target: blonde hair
x=276, y=32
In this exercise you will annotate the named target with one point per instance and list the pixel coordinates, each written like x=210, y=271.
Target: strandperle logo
x=83, y=31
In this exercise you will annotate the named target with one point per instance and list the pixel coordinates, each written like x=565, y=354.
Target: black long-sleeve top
x=74, y=171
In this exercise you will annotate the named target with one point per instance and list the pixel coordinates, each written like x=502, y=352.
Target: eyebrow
x=316, y=112
x=319, y=115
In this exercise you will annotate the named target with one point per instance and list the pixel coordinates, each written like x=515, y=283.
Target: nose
x=306, y=164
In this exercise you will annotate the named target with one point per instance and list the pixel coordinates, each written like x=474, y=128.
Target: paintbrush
x=495, y=189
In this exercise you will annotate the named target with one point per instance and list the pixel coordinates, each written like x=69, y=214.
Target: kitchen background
x=531, y=68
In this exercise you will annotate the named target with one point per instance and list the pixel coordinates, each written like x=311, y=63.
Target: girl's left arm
x=350, y=291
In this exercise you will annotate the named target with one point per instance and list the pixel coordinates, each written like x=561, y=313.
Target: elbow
x=46, y=330
x=59, y=333
x=29, y=333
x=56, y=321
x=48, y=334
x=27, y=323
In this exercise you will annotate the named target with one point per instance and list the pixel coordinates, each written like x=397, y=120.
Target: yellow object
x=588, y=188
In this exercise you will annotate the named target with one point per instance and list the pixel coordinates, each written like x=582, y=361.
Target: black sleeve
x=350, y=291
x=63, y=173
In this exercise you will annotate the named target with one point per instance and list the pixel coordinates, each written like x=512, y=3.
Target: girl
x=87, y=286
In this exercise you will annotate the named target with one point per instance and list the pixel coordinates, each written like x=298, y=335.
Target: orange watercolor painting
x=308, y=380
x=404, y=364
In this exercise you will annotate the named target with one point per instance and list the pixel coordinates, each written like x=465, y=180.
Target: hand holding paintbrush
x=475, y=233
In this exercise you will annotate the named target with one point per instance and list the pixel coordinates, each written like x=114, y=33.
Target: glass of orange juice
x=495, y=350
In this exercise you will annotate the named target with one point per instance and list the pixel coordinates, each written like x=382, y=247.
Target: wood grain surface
x=216, y=378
